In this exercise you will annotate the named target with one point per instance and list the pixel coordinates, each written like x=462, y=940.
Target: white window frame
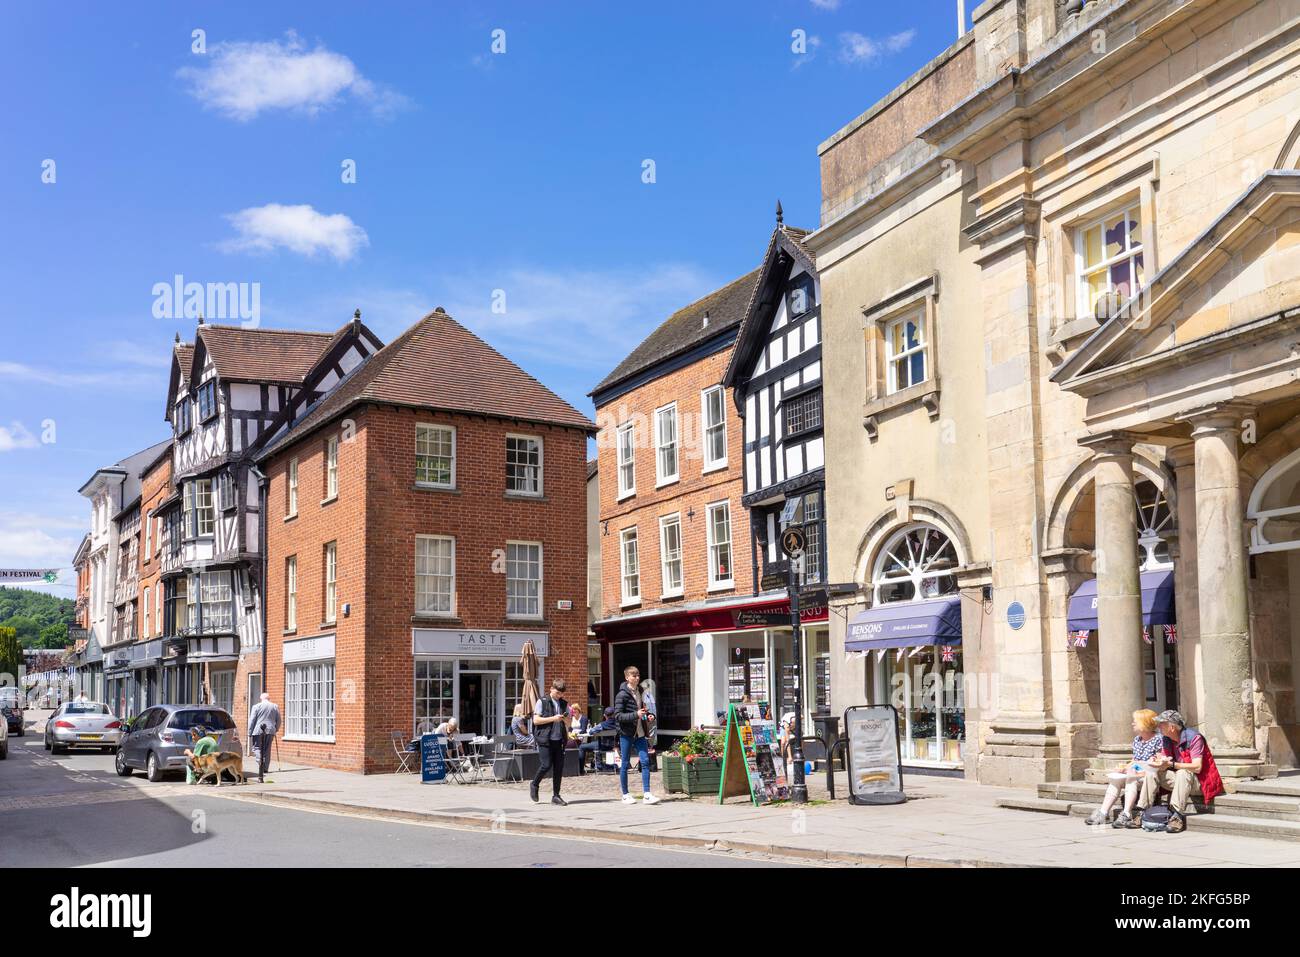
x=541, y=465
x=629, y=597
x=291, y=478
x=627, y=461
x=291, y=593
x=148, y=537
x=330, y=574
x=716, y=583
x=711, y=464
x=146, y=612
x=302, y=681
x=918, y=316
x=1129, y=210
x=420, y=429
x=450, y=611
x=665, y=522
x=200, y=510
x=331, y=469
x=661, y=478
x=540, y=613
x=158, y=609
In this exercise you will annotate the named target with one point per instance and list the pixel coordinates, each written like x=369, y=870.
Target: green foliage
x=11, y=654
x=53, y=636
x=30, y=613
x=701, y=743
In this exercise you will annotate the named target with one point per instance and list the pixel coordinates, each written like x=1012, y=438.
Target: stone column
x=1119, y=595
x=1228, y=714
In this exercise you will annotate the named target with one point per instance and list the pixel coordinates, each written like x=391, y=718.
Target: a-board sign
x=751, y=760
x=433, y=759
x=875, y=765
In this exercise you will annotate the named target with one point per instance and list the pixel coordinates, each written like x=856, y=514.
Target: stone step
x=1248, y=817
x=1288, y=786
x=1258, y=805
x=1035, y=804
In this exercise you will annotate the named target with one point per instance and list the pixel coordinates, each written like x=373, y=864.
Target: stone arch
x=1076, y=490
x=893, y=519
x=1289, y=157
x=1266, y=453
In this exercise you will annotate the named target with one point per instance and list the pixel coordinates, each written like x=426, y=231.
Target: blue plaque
x=433, y=759
x=1016, y=615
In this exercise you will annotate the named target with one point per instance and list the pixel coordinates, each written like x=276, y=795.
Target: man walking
x=634, y=723
x=263, y=723
x=551, y=728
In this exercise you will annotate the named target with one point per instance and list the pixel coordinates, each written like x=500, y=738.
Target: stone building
x=1058, y=270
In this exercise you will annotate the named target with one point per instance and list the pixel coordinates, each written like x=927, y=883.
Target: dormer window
x=207, y=400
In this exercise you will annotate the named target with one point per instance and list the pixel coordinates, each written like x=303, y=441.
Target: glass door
x=493, y=718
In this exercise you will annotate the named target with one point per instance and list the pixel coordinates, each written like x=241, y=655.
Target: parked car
x=4, y=740
x=156, y=738
x=82, y=724
x=11, y=707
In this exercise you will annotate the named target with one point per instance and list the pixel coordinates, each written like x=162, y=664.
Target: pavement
x=946, y=822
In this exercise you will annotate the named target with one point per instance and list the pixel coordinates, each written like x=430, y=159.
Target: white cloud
x=119, y=379
x=30, y=540
x=300, y=229
x=812, y=44
x=826, y=4
x=856, y=48
x=242, y=79
x=16, y=436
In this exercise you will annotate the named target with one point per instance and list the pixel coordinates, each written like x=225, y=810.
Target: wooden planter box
x=702, y=776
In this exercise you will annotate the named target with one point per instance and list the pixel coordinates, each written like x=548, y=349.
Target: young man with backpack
x=551, y=729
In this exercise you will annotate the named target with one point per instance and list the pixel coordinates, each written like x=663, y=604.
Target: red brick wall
x=694, y=491
x=375, y=520
x=155, y=485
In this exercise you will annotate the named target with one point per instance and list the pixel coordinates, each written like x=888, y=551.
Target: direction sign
x=792, y=542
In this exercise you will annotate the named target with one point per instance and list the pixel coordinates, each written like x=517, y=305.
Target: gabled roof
x=784, y=249
x=1187, y=274
x=182, y=360
x=439, y=364
x=686, y=329
x=129, y=470
x=279, y=356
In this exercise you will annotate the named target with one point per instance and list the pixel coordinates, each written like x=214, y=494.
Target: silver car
x=157, y=738
x=82, y=724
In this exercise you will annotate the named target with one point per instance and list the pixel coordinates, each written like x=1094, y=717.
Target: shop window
x=523, y=465
x=626, y=460
x=435, y=575
x=719, y=541
x=666, y=469
x=523, y=580
x=713, y=412
x=1108, y=256
x=669, y=681
x=630, y=570
x=435, y=693
x=309, y=701
x=435, y=455
x=670, y=555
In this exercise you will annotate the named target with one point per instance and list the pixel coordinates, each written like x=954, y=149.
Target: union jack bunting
x=1077, y=639
x=948, y=654
x=1146, y=634
x=1171, y=634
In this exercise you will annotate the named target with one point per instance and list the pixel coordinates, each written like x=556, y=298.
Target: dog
x=211, y=765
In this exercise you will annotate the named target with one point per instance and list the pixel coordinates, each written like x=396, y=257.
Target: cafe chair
x=405, y=751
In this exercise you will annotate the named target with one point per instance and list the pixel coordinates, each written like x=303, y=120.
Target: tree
x=53, y=636
x=11, y=656
x=27, y=629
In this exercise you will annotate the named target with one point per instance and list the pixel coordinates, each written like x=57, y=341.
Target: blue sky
x=476, y=171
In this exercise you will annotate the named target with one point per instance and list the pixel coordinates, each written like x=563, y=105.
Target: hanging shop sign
x=875, y=767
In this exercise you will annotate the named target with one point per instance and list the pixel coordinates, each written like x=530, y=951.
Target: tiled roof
x=791, y=239
x=685, y=329
x=185, y=356
x=439, y=364
x=263, y=355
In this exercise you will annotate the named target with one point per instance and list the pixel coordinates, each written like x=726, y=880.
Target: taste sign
x=467, y=641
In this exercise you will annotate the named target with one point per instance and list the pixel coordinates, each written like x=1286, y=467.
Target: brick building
x=678, y=569
x=424, y=520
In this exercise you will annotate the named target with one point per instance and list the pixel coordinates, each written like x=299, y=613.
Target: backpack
x=1156, y=818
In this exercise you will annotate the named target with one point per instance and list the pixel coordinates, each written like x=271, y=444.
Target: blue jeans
x=625, y=746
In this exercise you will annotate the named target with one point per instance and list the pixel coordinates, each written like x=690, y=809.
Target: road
x=73, y=810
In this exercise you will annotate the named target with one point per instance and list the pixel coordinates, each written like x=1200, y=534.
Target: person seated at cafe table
x=1185, y=756
x=594, y=745
x=580, y=723
x=519, y=727
x=1146, y=744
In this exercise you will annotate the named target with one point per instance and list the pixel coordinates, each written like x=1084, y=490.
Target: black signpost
x=793, y=544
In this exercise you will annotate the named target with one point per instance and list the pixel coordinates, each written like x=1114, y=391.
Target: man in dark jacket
x=634, y=721
x=551, y=728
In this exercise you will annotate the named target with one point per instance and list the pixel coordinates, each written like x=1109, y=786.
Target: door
x=471, y=702
x=254, y=694
x=493, y=717
x=131, y=746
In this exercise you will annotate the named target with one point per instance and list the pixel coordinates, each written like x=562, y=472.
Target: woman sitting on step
x=1145, y=745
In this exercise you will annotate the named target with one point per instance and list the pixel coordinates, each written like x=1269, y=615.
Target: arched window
x=1155, y=520
x=916, y=563
x=1274, y=508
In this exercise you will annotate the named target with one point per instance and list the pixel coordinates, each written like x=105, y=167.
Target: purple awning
x=906, y=624
x=1157, y=602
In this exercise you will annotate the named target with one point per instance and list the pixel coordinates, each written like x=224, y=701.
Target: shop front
x=697, y=660
x=476, y=677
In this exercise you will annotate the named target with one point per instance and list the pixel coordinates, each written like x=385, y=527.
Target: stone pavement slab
x=946, y=822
